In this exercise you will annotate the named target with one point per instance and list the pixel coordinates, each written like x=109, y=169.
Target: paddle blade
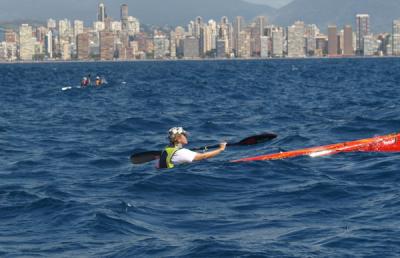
x=144, y=157
x=256, y=139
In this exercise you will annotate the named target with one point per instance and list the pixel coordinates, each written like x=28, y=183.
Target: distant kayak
x=387, y=143
x=71, y=87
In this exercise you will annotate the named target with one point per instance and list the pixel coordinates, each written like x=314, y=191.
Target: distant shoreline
x=196, y=60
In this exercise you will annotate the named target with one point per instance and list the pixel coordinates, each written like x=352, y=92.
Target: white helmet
x=175, y=131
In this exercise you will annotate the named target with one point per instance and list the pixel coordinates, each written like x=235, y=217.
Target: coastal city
x=109, y=39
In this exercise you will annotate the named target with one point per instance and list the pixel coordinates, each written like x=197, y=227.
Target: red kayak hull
x=387, y=143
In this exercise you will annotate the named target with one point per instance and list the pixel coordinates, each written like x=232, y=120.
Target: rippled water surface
x=67, y=187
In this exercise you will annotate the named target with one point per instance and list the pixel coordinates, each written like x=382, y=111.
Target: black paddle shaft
x=255, y=139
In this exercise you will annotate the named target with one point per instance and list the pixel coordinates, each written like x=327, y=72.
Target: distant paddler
x=174, y=154
x=99, y=81
x=85, y=81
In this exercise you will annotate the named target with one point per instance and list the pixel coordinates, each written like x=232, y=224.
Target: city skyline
x=177, y=12
x=121, y=38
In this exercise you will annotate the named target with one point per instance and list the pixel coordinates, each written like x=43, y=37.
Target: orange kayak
x=387, y=143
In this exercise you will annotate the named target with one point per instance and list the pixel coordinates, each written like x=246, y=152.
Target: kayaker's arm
x=210, y=154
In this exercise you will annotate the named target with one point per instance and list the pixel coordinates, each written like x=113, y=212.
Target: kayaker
x=98, y=81
x=174, y=154
x=85, y=81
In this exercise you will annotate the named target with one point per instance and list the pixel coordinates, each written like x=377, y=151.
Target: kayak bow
x=387, y=143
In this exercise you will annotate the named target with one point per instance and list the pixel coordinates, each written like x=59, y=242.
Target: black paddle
x=143, y=157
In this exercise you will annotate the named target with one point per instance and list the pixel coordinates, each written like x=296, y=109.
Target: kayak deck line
x=386, y=143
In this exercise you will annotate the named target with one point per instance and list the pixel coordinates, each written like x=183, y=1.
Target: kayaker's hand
x=222, y=146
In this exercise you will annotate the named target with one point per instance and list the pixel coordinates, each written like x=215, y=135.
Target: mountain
x=340, y=12
x=157, y=12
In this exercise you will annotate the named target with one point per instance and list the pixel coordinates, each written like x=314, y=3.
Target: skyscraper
x=258, y=31
x=161, y=46
x=51, y=24
x=65, y=29
x=211, y=42
x=396, y=38
x=277, y=42
x=49, y=44
x=265, y=43
x=78, y=28
x=26, y=42
x=221, y=48
x=311, y=33
x=296, y=40
x=10, y=36
x=197, y=25
x=106, y=45
x=133, y=26
x=102, y=15
x=244, y=46
x=238, y=26
x=191, y=47
x=124, y=16
x=332, y=41
x=348, y=48
x=82, y=44
x=370, y=47
x=362, y=30
x=172, y=45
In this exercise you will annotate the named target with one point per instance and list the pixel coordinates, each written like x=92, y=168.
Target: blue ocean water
x=67, y=187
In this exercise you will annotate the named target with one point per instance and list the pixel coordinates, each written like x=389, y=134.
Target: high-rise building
x=78, y=28
x=238, y=26
x=332, y=41
x=212, y=34
x=244, y=44
x=99, y=26
x=51, y=24
x=265, y=43
x=396, y=38
x=384, y=41
x=10, y=36
x=198, y=24
x=26, y=42
x=116, y=26
x=348, y=48
x=124, y=16
x=277, y=42
x=362, y=29
x=66, y=51
x=202, y=40
x=102, y=15
x=296, y=40
x=191, y=47
x=107, y=45
x=311, y=33
x=257, y=32
x=370, y=47
x=221, y=48
x=225, y=32
x=161, y=46
x=321, y=42
x=133, y=26
x=65, y=29
x=172, y=47
x=49, y=44
x=82, y=44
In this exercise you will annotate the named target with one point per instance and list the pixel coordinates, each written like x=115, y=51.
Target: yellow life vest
x=166, y=157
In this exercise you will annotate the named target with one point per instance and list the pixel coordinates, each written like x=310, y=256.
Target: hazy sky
x=273, y=3
x=145, y=10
